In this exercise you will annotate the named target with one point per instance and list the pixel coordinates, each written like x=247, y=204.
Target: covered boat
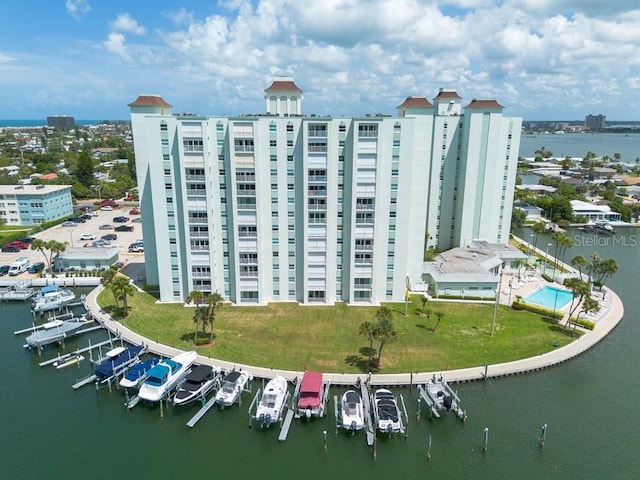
x=233, y=384
x=115, y=365
x=310, y=399
x=272, y=402
x=138, y=372
x=387, y=411
x=55, y=331
x=196, y=384
x=352, y=411
x=165, y=375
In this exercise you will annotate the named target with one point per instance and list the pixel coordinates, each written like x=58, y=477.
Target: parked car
x=136, y=248
x=4, y=269
x=28, y=240
x=121, y=219
x=109, y=237
x=36, y=267
x=69, y=223
x=124, y=228
x=10, y=248
x=92, y=214
x=106, y=226
x=100, y=243
x=87, y=236
x=109, y=202
x=19, y=244
x=106, y=208
x=79, y=219
x=134, y=211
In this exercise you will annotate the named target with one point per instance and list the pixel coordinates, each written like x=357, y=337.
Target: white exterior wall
x=399, y=168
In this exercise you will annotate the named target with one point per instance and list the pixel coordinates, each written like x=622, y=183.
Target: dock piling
x=543, y=435
x=486, y=439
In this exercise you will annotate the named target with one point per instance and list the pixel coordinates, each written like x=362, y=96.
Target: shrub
x=588, y=324
x=520, y=305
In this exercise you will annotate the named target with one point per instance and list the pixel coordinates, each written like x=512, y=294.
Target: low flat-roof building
x=594, y=212
x=472, y=271
x=87, y=258
x=27, y=205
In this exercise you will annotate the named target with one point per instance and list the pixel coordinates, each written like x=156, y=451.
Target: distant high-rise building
x=595, y=122
x=62, y=122
x=284, y=206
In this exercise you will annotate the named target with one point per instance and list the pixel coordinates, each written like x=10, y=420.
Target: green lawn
x=288, y=336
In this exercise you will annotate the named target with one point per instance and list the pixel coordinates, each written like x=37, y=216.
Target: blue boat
x=115, y=366
x=138, y=372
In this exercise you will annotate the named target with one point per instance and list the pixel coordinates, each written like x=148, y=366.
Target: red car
x=19, y=244
x=134, y=211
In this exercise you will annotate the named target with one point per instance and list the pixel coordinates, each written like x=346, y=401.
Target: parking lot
x=73, y=236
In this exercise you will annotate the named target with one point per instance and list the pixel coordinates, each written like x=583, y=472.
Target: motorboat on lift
x=55, y=331
x=352, y=411
x=117, y=362
x=52, y=297
x=233, y=384
x=67, y=360
x=272, y=402
x=138, y=372
x=165, y=375
x=196, y=384
x=310, y=399
x=387, y=411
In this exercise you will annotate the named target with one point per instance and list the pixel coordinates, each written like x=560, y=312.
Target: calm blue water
x=578, y=144
x=550, y=297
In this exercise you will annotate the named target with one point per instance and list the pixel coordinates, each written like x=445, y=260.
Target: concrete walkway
x=604, y=325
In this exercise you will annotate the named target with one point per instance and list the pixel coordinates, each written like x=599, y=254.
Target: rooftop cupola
x=283, y=97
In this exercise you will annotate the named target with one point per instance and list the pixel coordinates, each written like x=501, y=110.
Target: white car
x=106, y=208
x=87, y=236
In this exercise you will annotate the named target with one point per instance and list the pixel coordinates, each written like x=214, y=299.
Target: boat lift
x=206, y=405
x=433, y=406
x=403, y=424
x=284, y=430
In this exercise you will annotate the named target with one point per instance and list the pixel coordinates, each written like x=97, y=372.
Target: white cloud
x=115, y=43
x=77, y=8
x=4, y=58
x=124, y=23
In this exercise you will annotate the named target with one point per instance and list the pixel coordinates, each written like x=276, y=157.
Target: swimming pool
x=550, y=297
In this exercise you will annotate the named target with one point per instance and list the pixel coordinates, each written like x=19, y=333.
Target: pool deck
x=607, y=319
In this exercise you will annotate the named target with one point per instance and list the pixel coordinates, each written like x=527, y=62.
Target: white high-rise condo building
x=284, y=206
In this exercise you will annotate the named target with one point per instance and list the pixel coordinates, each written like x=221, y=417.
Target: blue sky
x=542, y=59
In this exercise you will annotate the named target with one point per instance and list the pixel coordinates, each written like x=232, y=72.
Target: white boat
x=272, y=402
x=234, y=383
x=68, y=360
x=165, y=375
x=387, y=411
x=52, y=297
x=200, y=380
x=352, y=411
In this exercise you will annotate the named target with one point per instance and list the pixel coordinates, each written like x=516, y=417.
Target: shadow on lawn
x=557, y=327
x=364, y=362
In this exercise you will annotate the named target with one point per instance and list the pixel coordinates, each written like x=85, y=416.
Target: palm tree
x=580, y=289
x=107, y=278
x=384, y=332
x=214, y=302
x=590, y=304
x=606, y=270
x=121, y=287
x=54, y=248
x=579, y=261
x=366, y=329
x=196, y=296
x=440, y=316
x=519, y=263
x=538, y=228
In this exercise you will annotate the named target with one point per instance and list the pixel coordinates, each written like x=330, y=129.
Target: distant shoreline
x=43, y=122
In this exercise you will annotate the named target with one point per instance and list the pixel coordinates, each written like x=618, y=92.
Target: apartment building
x=28, y=205
x=284, y=206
